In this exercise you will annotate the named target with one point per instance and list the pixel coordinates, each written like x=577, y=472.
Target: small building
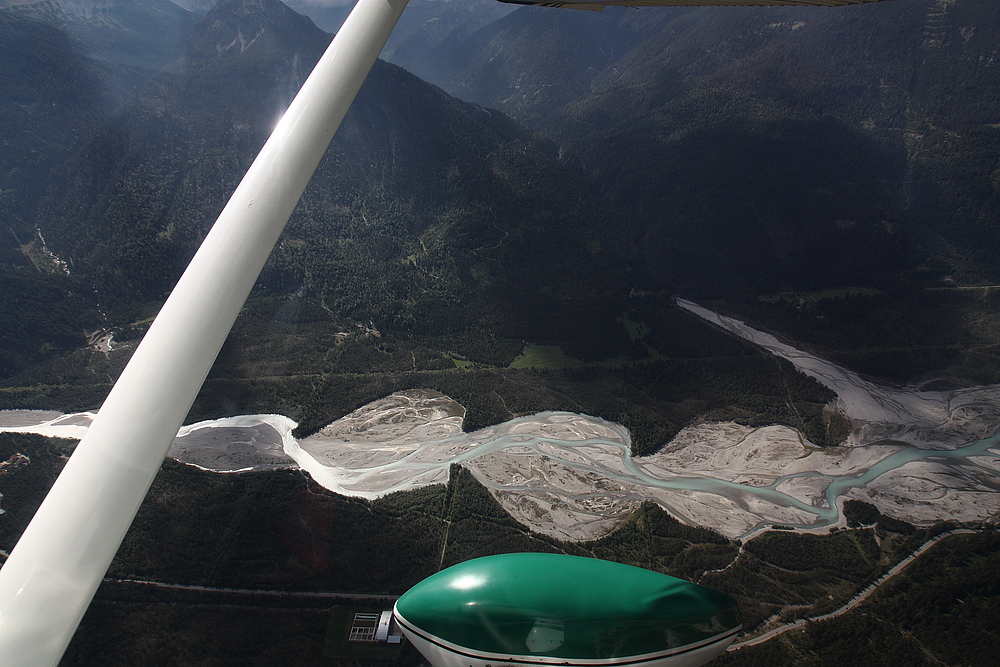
x=375, y=627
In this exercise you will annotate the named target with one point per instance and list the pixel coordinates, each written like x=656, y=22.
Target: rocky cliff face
x=235, y=27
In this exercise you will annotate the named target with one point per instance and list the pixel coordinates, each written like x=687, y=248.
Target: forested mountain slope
x=878, y=124
x=716, y=153
x=52, y=97
x=784, y=150
x=859, y=149
x=435, y=235
x=427, y=214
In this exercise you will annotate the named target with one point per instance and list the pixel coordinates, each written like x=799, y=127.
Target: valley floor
x=923, y=457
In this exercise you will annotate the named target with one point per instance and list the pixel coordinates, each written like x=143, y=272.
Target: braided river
x=921, y=456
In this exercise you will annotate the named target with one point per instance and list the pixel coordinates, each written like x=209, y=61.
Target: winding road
x=855, y=601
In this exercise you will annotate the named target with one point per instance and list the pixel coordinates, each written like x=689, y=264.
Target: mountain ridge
x=724, y=175
x=422, y=184
x=232, y=27
x=139, y=35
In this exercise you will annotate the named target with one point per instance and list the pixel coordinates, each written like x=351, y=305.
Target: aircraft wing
x=598, y=6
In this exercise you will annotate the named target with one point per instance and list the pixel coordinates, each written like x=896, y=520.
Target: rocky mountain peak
x=234, y=27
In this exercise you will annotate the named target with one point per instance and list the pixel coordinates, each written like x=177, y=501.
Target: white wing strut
x=52, y=574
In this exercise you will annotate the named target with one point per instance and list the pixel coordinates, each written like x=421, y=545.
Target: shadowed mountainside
x=426, y=214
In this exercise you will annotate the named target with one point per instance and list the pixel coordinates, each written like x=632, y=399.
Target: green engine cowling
x=545, y=609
